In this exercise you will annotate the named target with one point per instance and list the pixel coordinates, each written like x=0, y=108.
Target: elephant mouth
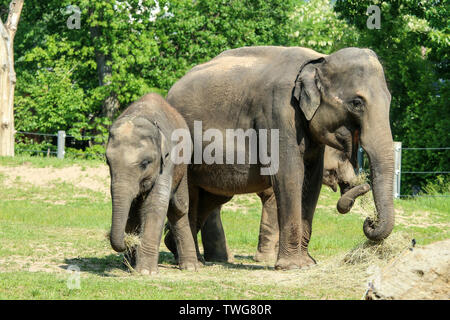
x=348, y=139
x=345, y=141
x=330, y=179
x=355, y=146
x=145, y=187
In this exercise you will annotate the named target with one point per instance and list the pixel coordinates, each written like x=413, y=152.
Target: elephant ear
x=306, y=90
x=164, y=147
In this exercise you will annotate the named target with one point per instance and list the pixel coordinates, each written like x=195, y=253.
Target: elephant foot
x=146, y=269
x=200, y=259
x=304, y=261
x=188, y=265
x=146, y=263
x=147, y=272
x=265, y=256
x=219, y=256
x=219, y=259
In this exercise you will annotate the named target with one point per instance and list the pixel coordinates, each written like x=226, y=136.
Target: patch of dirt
x=420, y=219
x=30, y=264
x=242, y=203
x=95, y=179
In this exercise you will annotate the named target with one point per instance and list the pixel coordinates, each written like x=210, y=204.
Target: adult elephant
x=312, y=100
x=338, y=173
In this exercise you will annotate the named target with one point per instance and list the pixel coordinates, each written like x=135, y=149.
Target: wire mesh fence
x=422, y=173
x=60, y=150
x=398, y=172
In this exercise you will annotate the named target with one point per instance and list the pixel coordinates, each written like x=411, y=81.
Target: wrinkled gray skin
x=314, y=100
x=146, y=186
x=337, y=171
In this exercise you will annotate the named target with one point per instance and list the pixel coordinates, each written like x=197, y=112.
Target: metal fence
x=398, y=169
x=60, y=145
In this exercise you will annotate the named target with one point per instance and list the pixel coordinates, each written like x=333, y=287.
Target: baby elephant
x=146, y=186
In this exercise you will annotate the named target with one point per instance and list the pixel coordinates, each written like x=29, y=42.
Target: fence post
x=61, y=144
x=360, y=158
x=397, y=168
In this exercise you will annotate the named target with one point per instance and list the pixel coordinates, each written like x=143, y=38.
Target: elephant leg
x=133, y=227
x=287, y=176
x=154, y=213
x=214, y=242
x=268, y=229
x=179, y=224
x=310, y=196
x=213, y=236
x=169, y=239
x=288, y=194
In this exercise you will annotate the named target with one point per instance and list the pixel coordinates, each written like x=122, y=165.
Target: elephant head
x=345, y=93
x=338, y=170
x=138, y=159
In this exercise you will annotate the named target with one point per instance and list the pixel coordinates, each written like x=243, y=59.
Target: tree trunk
x=111, y=103
x=8, y=78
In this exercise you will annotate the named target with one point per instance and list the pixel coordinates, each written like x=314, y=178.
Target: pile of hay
x=132, y=242
x=370, y=253
x=351, y=271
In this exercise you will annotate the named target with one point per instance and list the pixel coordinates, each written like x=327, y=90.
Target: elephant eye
x=357, y=103
x=144, y=164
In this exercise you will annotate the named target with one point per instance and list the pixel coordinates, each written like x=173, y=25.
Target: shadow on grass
x=107, y=265
x=114, y=265
x=241, y=266
x=241, y=262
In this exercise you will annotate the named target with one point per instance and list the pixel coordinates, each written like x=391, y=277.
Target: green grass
x=43, y=162
x=44, y=229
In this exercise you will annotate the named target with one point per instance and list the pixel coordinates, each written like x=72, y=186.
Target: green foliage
x=413, y=46
x=192, y=32
x=317, y=26
x=48, y=100
x=440, y=186
x=148, y=45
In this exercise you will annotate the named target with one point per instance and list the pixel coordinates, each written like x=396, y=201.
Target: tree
x=191, y=32
x=74, y=79
x=317, y=26
x=8, y=78
x=78, y=80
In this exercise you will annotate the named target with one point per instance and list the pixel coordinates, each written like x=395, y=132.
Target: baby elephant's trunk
x=347, y=200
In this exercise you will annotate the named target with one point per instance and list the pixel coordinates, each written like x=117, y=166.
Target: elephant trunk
x=379, y=146
x=347, y=200
x=121, y=199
